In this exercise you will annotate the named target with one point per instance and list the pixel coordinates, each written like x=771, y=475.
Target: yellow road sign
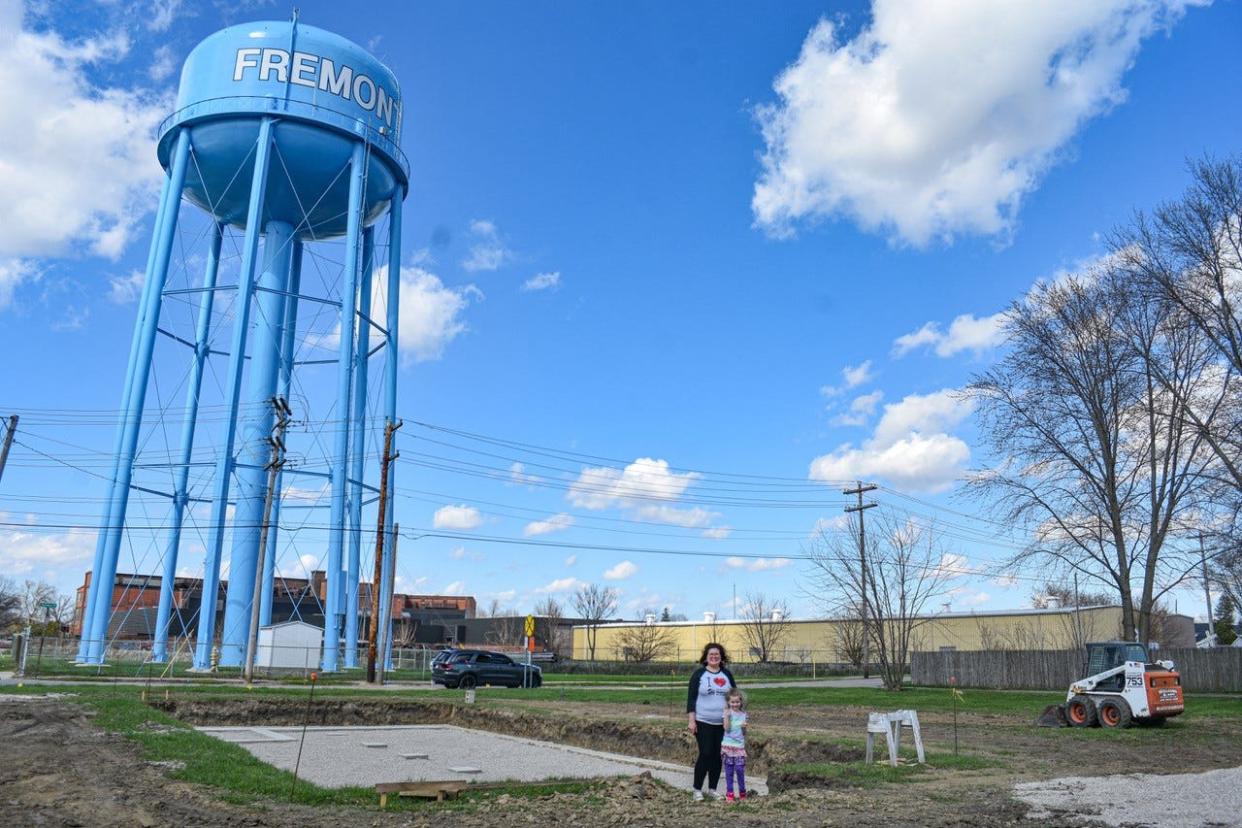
x=530, y=625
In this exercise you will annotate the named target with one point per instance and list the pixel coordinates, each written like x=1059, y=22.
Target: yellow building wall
x=819, y=640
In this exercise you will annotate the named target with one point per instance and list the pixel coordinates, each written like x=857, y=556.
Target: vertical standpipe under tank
x=291, y=135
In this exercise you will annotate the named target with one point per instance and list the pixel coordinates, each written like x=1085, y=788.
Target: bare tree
x=404, y=633
x=905, y=574
x=593, y=604
x=848, y=637
x=492, y=609
x=765, y=625
x=34, y=596
x=507, y=628
x=548, y=616
x=1099, y=463
x=1189, y=254
x=645, y=642
x=10, y=604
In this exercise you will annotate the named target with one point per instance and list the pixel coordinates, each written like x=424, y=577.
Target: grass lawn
x=239, y=777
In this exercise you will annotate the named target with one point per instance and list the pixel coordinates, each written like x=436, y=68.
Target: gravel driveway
x=1187, y=800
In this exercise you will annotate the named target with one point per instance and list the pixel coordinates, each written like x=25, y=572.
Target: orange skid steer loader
x=1123, y=688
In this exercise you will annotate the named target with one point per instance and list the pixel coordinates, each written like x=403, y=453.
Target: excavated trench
x=647, y=740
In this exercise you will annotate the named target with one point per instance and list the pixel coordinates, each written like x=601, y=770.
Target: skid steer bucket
x=1053, y=716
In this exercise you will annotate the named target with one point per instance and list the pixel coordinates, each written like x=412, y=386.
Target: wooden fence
x=1217, y=670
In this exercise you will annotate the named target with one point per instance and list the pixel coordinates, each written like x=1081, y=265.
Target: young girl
x=733, y=745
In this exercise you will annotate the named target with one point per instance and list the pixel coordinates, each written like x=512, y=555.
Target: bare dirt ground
x=58, y=769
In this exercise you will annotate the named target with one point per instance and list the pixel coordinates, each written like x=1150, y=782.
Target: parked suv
x=474, y=668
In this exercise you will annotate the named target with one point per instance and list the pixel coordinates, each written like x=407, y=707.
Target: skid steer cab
x=1123, y=688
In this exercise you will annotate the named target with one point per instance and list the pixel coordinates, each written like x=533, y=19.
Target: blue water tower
x=289, y=135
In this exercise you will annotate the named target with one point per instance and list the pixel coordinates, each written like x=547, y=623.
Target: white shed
x=292, y=645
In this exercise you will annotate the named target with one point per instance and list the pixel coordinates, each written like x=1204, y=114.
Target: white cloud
x=556, y=523
x=969, y=599
x=77, y=159
x=937, y=118
x=856, y=375
x=12, y=273
x=122, y=290
x=621, y=571
x=644, y=479
x=488, y=252
x=454, y=588
x=922, y=414
x=162, y=65
x=757, y=564
x=966, y=333
x=691, y=518
x=910, y=446
x=430, y=313
x=560, y=585
x=861, y=409
x=953, y=565
x=852, y=376
x=718, y=532
x=571, y=560
x=517, y=473
x=458, y=553
x=459, y=517
x=58, y=558
x=1005, y=581
x=163, y=13
x=542, y=281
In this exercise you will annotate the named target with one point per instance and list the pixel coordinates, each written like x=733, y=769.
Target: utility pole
x=1207, y=588
x=277, y=440
x=383, y=644
x=389, y=430
x=8, y=441
x=859, y=489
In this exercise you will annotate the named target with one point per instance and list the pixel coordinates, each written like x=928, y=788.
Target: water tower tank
x=328, y=93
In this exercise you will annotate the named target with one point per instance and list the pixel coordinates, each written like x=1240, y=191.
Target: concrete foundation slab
x=334, y=757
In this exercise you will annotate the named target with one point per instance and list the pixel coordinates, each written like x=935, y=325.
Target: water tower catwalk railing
x=314, y=173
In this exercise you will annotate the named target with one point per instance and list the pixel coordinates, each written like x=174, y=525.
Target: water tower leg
x=159, y=649
x=237, y=360
x=287, y=350
x=94, y=588
x=132, y=416
x=254, y=453
x=359, y=450
x=345, y=365
x=390, y=390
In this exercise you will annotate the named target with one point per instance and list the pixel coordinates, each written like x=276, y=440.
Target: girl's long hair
x=724, y=656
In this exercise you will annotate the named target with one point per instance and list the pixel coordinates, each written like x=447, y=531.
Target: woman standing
x=705, y=706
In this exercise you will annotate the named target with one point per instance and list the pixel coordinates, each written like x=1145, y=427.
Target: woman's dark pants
x=708, y=764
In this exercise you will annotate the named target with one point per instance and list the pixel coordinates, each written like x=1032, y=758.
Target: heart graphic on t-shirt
x=720, y=681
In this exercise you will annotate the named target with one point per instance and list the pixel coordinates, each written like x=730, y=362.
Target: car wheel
x=467, y=682
x=538, y=682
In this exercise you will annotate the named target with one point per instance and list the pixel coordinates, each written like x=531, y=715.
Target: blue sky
x=709, y=253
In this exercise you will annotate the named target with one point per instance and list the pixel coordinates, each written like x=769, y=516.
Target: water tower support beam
x=345, y=364
x=237, y=360
x=287, y=349
x=159, y=647
x=256, y=421
x=390, y=393
x=132, y=413
x=359, y=451
x=94, y=589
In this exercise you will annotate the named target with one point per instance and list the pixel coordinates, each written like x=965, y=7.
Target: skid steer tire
x=1114, y=712
x=1081, y=712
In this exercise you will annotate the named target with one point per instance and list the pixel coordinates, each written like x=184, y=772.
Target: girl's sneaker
x=729, y=798
x=741, y=795
x=698, y=795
